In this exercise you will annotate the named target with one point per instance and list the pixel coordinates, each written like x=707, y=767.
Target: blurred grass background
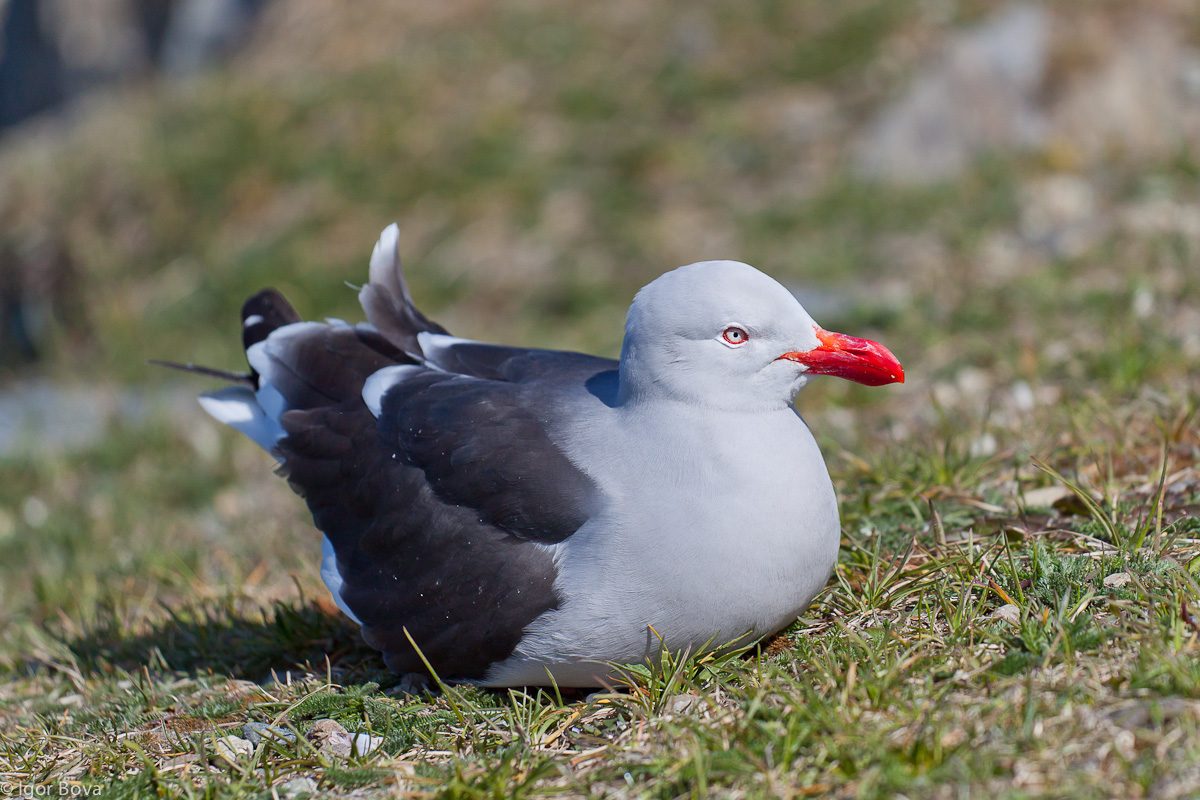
x=1007, y=195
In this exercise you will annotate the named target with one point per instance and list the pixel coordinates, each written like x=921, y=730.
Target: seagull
x=507, y=516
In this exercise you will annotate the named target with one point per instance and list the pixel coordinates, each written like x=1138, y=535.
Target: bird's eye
x=735, y=335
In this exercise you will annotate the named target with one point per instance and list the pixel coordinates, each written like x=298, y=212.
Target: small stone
x=365, y=743
x=257, y=731
x=297, y=787
x=1046, y=496
x=1008, y=612
x=983, y=446
x=1117, y=579
x=182, y=762
x=230, y=748
x=682, y=703
x=953, y=738
x=330, y=738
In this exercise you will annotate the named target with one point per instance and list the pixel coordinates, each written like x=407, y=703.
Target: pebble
x=364, y=743
x=297, y=787
x=257, y=731
x=1046, y=496
x=1117, y=579
x=182, y=762
x=231, y=748
x=683, y=703
x=330, y=738
x=1008, y=612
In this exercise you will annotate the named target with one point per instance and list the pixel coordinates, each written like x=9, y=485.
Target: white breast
x=720, y=524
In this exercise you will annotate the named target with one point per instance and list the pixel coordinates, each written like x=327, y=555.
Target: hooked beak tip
x=859, y=360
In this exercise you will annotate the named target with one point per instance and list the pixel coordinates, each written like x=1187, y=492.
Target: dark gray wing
x=463, y=589
x=513, y=364
x=434, y=508
x=486, y=445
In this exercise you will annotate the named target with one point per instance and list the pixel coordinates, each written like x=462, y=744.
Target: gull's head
x=722, y=334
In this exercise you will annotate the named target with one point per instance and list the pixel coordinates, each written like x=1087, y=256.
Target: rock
x=38, y=415
x=683, y=703
x=1117, y=580
x=182, y=762
x=232, y=748
x=201, y=31
x=1060, y=215
x=330, y=738
x=297, y=787
x=983, y=446
x=365, y=743
x=1086, y=86
x=1009, y=613
x=1138, y=100
x=255, y=732
x=1046, y=496
x=981, y=93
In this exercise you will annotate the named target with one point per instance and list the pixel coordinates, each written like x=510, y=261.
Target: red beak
x=859, y=360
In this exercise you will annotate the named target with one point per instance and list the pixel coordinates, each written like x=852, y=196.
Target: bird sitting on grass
x=509, y=516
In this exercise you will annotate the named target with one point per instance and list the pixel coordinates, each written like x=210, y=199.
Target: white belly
x=729, y=529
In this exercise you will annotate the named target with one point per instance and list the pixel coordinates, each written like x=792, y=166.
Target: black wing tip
x=273, y=311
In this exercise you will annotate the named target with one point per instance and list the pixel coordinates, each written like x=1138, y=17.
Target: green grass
x=159, y=589
x=901, y=679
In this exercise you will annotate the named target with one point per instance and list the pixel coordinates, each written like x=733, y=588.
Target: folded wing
x=435, y=477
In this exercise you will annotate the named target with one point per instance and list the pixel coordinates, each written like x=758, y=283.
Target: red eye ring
x=735, y=335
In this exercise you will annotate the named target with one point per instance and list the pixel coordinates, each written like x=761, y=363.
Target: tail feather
x=386, y=300
x=299, y=366
x=239, y=408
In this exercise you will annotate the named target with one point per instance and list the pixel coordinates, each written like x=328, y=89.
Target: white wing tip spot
x=378, y=384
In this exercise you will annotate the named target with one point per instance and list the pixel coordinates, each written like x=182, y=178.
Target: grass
x=1016, y=609
x=964, y=645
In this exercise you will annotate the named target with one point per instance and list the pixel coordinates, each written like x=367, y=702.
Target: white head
x=724, y=335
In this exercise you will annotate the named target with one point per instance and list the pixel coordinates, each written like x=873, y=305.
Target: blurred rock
x=1009, y=613
x=1106, y=82
x=298, y=787
x=980, y=93
x=98, y=41
x=1117, y=580
x=1060, y=214
x=202, y=31
x=983, y=446
x=330, y=738
x=52, y=418
x=1137, y=100
x=1162, y=216
x=684, y=704
x=365, y=743
x=255, y=732
x=806, y=115
x=231, y=748
x=182, y=762
x=1046, y=496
